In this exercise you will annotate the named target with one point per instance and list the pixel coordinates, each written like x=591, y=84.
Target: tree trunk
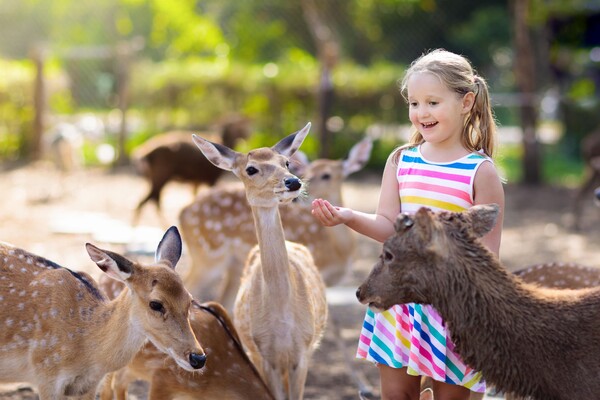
x=33, y=146
x=328, y=54
x=525, y=74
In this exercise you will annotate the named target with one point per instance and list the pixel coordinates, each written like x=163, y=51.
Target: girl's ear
x=468, y=101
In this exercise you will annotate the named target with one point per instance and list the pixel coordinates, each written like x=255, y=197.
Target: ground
x=54, y=215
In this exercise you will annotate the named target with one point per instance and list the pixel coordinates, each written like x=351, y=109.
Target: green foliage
x=558, y=168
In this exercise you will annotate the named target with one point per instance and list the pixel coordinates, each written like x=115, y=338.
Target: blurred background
x=117, y=72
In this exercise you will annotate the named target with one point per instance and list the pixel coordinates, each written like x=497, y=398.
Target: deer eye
x=387, y=256
x=287, y=164
x=251, y=171
x=157, y=306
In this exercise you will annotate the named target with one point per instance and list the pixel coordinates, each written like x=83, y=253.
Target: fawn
x=229, y=374
x=280, y=309
x=60, y=333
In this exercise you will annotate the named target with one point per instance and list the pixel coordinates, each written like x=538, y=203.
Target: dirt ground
x=54, y=216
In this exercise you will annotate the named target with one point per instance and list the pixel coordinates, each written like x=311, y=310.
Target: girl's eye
x=432, y=103
x=251, y=170
x=413, y=104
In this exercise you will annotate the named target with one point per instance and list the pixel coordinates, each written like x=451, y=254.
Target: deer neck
x=113, y=331
x=271, y=242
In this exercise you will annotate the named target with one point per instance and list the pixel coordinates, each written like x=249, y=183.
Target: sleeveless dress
x=414, y=335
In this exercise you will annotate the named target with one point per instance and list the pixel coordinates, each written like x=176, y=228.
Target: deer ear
x=358, y=156
x=298, y=163
x=218, y=154
x=169, y=248
x=112, y=264
x=483, y=218
x=423, y=221
x=291, y=143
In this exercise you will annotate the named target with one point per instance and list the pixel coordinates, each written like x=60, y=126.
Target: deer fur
x=229, y=374
x=526, y=340
x=218, y=227
x=173, y=156
x=281, y=309
x=62, y=334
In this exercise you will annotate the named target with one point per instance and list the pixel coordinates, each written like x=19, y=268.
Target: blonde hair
x=456, y=72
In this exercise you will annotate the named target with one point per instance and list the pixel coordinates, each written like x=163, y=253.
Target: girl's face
x=436, y=111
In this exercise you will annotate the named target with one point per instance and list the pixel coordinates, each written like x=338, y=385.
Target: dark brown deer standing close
x=590, y=153
x=537, y=342
x=173, y=156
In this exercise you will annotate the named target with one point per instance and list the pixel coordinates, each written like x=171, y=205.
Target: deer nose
x=197, y=361
x=292, y=184
x=358, y=293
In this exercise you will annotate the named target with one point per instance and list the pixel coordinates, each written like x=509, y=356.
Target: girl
x=447, y=165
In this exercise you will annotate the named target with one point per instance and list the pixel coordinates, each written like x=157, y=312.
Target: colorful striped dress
x=414, y=335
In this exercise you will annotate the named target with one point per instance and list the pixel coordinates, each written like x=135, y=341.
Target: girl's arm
x=378, y=226
x=488, y=189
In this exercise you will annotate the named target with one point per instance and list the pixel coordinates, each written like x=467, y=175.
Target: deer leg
x=232, y=275
x=274, y=379
x=365, y=390
x=297, y=379
x=105, y=389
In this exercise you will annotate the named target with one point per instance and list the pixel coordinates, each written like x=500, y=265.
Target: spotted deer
x=280, y=310
x=536, y=342
x=60, y=333
x=218, y=227
x=228, y=374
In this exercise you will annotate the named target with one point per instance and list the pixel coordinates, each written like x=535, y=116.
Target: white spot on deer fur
x=22, y=293
x=21, y=306
x=9, y=322
x=1, y=298
x=23, y=269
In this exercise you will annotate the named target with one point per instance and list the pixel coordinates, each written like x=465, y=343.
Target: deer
x=172, y=156
x=218, y=227
x=61, y=334
x=280, y=309
x=221, y=343
x=590, y=153
x=557, y=275
x=530, y=333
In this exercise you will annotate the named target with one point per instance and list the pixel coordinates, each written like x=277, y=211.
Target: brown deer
x=229, y=373
x=60, y=333
x=281, y=309
x=173, y=156
x=555, y=275
x=218, y=227
x=590, y=153
x=527, y=334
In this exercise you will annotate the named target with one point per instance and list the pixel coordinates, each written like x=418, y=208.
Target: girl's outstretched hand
x=329, y=215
